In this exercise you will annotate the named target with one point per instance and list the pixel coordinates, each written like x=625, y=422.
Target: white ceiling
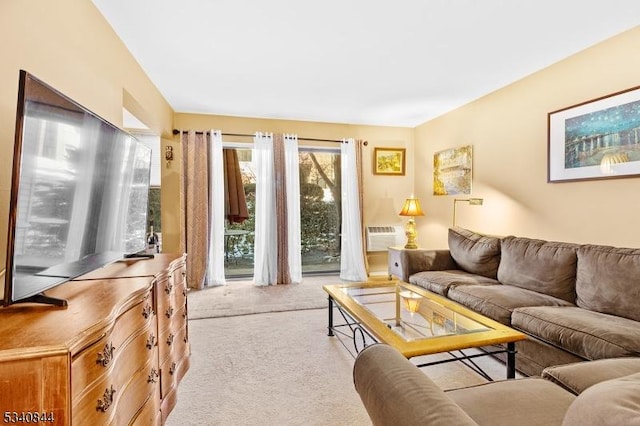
x=396, y=63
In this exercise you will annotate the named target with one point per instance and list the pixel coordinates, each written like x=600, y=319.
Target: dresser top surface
x=94, y=300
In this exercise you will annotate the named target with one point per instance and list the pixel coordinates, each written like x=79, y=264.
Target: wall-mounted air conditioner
x=380, y=238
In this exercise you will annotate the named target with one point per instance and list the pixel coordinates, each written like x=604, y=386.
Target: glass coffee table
x=417, y=322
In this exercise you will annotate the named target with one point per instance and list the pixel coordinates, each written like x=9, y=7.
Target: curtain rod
x=176, y=131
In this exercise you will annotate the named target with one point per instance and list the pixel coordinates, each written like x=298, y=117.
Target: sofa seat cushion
x=440, y=281
x=588, y=334
x=530, y=401
x=498, y=301
x=475, y=253
x=543, y=266
x=613, y=402
x=608, y=280
x=579, y=376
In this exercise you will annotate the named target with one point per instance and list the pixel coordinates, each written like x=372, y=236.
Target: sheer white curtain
x=265, y=242
x=215, y=264
x=292, y=167
x=352, y=265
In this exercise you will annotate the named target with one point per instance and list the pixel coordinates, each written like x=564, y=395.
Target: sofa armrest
x=395, y=392
x=405, y=262
x=579, y=376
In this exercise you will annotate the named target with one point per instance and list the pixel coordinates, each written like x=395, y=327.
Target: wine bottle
x=152, y=241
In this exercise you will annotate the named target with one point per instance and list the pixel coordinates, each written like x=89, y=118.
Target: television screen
x=79, y=192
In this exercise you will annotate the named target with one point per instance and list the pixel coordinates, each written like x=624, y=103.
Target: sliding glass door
x=320, y=214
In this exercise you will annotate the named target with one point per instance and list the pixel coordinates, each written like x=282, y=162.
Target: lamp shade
x=411, y=208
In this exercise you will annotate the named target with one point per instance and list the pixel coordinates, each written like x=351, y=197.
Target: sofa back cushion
x=613, y=402
x=475, y=253
x=541, y=266
x=608, y=280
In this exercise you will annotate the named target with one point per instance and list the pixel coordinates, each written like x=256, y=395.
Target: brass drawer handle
x=147, y=311
x=172, y=369
x=169, y=312
x=168, y=288
x=153, y=376
x=170, y=339
x=151, y=342
x=106, y=401
x=105, y=357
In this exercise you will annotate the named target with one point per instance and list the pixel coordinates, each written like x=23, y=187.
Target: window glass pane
x=239, y=237
x=320, y=210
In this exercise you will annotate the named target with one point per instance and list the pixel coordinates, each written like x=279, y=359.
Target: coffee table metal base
x=361, y=338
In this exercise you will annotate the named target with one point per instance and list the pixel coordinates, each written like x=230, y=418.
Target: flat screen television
x=79, y=193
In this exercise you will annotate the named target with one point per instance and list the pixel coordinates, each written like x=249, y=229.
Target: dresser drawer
x=117, y=400
x=150, y=414
x=165, y=291
x=141, y=394
x=138, y=323
x=173, y=335
x=171, y=368
x=175, y=311
x=120, y=370
x=178, y=273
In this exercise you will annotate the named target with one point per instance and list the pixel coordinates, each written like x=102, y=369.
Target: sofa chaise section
x=395, y=392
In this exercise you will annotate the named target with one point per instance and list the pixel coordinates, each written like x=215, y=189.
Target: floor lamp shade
x=471, y=201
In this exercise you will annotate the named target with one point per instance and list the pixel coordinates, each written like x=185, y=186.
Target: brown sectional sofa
x=395, y=392
x=575, y=302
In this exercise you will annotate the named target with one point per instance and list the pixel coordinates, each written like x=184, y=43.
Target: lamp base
x=412, y=234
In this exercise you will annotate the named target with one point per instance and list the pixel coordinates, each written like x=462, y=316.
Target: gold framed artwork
x=389, y=161
x=452, y=169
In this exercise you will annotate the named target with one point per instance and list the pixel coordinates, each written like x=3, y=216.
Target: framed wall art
x=597, y=139
x=389, y=161
x=452, y=171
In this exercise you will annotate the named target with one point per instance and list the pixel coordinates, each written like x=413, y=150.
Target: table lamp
x=412, y=209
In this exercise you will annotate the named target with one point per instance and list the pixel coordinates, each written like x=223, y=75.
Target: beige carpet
x=278, y=368
x=242, y=297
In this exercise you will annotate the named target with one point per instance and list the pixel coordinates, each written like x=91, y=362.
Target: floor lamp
x=471, y=201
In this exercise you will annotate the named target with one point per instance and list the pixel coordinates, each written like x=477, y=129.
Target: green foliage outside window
x=316, y=217
x=153, y=217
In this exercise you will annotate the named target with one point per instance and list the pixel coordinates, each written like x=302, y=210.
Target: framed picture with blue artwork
x=597, y=139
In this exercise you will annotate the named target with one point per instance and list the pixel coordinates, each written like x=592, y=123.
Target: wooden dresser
x=115, y=355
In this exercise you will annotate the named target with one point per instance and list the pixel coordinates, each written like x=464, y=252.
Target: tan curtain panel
x=194, y=218
x=235, y=201
x=283, y=275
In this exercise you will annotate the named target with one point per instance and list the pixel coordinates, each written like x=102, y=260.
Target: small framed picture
x=389, y=161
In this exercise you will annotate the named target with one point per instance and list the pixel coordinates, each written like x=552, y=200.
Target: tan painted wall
x=383, y=195
x=508, y=131
x=69, y=45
